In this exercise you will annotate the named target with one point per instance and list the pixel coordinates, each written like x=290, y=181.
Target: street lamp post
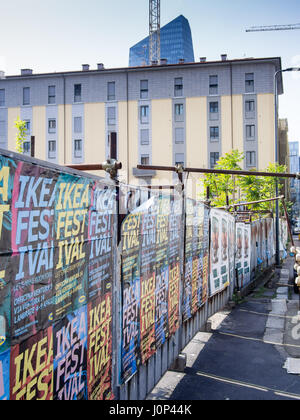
x=277, y=258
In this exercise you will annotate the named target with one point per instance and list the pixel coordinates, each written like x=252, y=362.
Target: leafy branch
x=21, y=134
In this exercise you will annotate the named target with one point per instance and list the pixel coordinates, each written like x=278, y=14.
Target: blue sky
x=58, y=35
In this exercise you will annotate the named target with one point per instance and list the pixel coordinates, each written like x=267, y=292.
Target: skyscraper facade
x=294, y=168
x=175, y=44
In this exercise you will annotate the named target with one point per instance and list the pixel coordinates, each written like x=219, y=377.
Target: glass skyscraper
x=175, y=43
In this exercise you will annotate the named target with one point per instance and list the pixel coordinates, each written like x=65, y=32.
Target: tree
x=21, y=134
x=243, y=188
x=224, y=185
x=259, y=188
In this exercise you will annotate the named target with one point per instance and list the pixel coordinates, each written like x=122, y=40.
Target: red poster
x=31, y=368
x=174, y=278
x=100, y=349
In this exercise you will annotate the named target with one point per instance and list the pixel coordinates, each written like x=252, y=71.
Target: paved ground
x=243, y=357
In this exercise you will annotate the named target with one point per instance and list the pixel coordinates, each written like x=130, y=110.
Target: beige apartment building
x=190, y=113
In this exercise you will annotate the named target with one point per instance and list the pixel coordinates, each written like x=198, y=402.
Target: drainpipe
x=231, y=99
x=127, y=123
x=64, y=88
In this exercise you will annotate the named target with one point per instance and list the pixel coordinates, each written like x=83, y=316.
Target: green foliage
x=243, y=188
x=221, y=185
x=21, y=134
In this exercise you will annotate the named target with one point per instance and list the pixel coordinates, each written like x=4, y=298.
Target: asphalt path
x=236, y=364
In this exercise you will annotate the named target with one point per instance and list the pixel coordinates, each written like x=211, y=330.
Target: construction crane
x=274, y=28
x=154, y=31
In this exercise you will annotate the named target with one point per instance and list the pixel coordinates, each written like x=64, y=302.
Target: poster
x=174, y=298
x=71, y=257
x=271, y=242
x=165, y=251
x=239, y=256
x=195, y=289
x=6, y=275
x=57, y=237
x=174, y=253
x=247, y=253
x=70, y=356
x=4, y=375
x=188, y=279
x=254, y=247
x=33, y=250
x=102, y=238
x=7, y=171
x=219, y=276
x=151, y=237
x=231, y=247
x=147, y=250
x=131, y=293
x=31, y=368
x=224, y=252
x=99, y=361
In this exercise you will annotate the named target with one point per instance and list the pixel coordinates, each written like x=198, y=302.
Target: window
x=179, y=158
x=213, y=107
x=77, y=93
x=51, y=95
x=52, y=126
x=77, y=125
x=2, y=97
x=78, y=148
x=250, y=132
x=26, y=96
x=178, y=86
x=214, y=157
x=144, y=113
x=26, y=147
x=178, y=112
x=213, y=85
x=27, y=126
x=179, y=135
x=2, y=128
x=144, y=136
x=145, y=160
x=249, y=82
x=214, y=133
x=111, y=91
x=51, y=149
x=250, y=106
x=251, y=158
x=111, y=115
x=144, y=89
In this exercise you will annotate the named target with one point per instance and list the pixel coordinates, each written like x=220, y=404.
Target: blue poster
x=70, y=356
x=4, y=375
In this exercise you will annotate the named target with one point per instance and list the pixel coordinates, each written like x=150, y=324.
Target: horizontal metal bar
x=252, y=211
x=157, y=168
x=218, y=171
x=160, y=187
x=91, y=166
x=252, y=202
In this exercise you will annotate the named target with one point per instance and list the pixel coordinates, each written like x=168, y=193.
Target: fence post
x=111, y=167
x=32, y=146
x=179, y=170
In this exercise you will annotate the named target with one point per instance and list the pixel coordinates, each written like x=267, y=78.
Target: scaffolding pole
x=220, y=171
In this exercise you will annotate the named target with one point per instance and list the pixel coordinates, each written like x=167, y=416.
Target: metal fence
x=102, y=285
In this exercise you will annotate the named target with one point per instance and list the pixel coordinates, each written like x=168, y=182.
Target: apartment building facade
x=190, y=113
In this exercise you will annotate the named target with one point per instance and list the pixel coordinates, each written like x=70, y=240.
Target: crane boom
x=154, y=31
x=274, y=28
